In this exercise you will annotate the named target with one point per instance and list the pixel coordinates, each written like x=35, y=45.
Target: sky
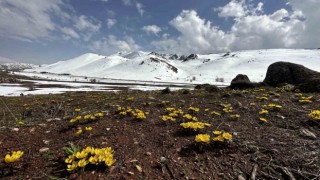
x=46, y=31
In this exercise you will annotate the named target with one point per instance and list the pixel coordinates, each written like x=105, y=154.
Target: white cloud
x=47, y=19
x=88, y=26
x=111, y=44
x=111, y=22
x=69, y=33
x=197, y=35
x=138, y=5
x=110, y=13
x=105, y=1
x=233, y=9
x=252, y=29
x=151, y=29
x=308, y=9
x=127, y=2
x=165, y=36
x=140, y=9
x=30, y=20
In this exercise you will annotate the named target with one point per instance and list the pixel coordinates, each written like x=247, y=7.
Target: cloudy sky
x=45, y=31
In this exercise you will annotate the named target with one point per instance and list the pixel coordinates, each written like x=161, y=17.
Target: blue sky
x=45, y=31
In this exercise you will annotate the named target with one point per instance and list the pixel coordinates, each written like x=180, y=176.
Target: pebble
x=44, y=149
x=308, y=133
x=139, y=168
x=46, y=142
x=148, y=153
x=15, y=129
x=42, y=125
x=151, y=98
x=32, y=130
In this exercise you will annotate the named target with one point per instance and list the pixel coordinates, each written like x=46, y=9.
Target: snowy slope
x=145, y=66
x=9, y=64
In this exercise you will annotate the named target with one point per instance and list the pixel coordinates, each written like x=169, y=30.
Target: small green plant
x=72, y=149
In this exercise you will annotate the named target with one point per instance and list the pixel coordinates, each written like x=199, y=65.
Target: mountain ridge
x=197, y=68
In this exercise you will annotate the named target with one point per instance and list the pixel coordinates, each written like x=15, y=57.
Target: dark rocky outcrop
x=241, y=81
x=190, y=57
x=303, y=78
x=174, y=57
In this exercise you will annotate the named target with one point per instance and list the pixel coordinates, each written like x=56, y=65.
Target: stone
x=241, y=81
x=307, y=133
x=44, y=149
x=306, y=80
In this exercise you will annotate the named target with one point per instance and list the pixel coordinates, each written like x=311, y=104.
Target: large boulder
x=304, y=79
x=288, y=73
x=241, y=81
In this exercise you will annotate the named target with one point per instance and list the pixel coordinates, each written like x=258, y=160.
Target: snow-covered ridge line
x=193, y=68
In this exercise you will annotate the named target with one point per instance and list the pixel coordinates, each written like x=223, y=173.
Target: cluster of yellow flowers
x=90, y=155
x=274, y=107
x=222, y=136
x=235, y=116
x=165, y=102
x=264, y=111
x=130, y=98
x=227, y=108
x=252, y=104
x=193, y=109
x=216, y=113
x=315, y=115
x=173, y=114
x=77, y=110
x=80, y=131
x=86, y=117
x=284, y=89
x=194, y=125
x=202, y=138
x=306, y=99
x=135, y=113
x=262, y=98
x=189, y=117
x=166, y=118
x=15, y=156
x=277, y=95
x=263, y=119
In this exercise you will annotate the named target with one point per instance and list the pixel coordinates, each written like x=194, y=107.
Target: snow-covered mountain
x=9, y=64
x=193, y=68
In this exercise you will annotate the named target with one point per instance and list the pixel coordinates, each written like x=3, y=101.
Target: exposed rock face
x=285, y=72
x=303, y=78
x=174, y=57
x=191, y=56
x=241, y=81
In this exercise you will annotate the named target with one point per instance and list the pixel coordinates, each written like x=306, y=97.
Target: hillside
x=193, y=68
x=146, y=144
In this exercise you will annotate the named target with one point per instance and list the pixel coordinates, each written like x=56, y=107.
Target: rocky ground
x=284, y=145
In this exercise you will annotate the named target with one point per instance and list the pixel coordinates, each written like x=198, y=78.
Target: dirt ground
x=287, y=146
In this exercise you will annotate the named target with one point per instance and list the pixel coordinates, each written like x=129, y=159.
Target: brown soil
x=274, y=150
